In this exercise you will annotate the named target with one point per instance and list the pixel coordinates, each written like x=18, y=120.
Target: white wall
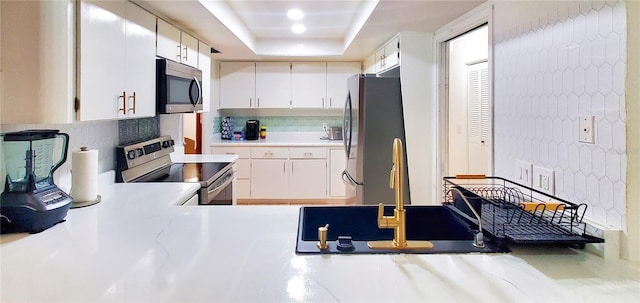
x=468, y=48
x=555, y=62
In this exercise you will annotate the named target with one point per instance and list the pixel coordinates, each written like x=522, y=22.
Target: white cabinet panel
x=273, y=84
x=308, y=179
x=269, y=178
x=102, y=64
x=168, y=41
x=237, y=84
x=204, y=64
x=337, y=74
x=188, y=50
x=176, y=45
x=308, y=84
x=243, y=188
x=337, y=163
x=117, y=64
x=140, y=62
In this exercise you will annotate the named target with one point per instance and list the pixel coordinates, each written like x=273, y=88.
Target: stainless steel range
x=150, y=161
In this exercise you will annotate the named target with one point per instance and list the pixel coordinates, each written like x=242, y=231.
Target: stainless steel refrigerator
x=373, y=117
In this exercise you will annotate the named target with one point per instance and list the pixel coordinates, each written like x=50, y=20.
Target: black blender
x=31, y=202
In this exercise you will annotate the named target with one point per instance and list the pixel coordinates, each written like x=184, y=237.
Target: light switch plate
x=544, y=180
x=524, y=173
x=587, y=130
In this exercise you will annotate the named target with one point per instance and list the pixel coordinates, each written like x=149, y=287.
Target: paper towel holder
x=78, y=204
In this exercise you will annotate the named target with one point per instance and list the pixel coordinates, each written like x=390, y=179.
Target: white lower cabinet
x=270, y=179
x=308, y=172
x=243, y=172
x=282, y=172
x=337, y=159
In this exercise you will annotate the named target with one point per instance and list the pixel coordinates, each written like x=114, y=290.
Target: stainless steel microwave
x=178, y=87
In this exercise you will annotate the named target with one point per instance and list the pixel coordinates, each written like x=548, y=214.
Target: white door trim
x=482, y=14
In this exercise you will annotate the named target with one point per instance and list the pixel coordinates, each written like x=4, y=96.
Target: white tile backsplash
x=569, y=62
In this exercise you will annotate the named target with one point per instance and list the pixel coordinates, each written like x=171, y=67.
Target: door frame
x=477, y=17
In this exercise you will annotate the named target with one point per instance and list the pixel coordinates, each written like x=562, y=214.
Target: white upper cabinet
x=116, y=72
x=176, y=45
x=141, y=63
x=168, y=39
x=337, y=74
x=273, y=84
x=285, y=85
x=38, y=62
x=388, y=56
x=204, y=64
x=237, y=84
x=189, y=50
x=308, y=84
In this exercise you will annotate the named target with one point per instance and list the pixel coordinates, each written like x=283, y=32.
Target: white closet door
x=478, y=117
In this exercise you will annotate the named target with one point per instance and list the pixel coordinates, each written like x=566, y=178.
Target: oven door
x=221, y=191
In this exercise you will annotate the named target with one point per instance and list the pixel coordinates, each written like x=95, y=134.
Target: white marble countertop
x=283, y=139
x=135, y=246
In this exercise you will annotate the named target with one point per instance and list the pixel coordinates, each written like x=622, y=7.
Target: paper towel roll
x=84, y=175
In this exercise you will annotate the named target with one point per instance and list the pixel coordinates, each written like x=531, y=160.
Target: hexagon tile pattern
x=547, y=77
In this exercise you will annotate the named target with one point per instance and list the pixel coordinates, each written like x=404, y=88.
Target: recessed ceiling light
x=295, y=14
x=298, y=28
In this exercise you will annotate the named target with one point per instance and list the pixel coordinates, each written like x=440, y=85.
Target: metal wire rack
x=516, y=212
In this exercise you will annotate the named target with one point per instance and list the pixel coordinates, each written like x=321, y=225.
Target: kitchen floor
x=294, y=202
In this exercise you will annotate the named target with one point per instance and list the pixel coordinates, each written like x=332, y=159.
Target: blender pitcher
x=31, y=202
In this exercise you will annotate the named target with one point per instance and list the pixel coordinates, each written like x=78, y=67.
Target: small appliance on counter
x=333, y=133
x=31, y=202
x=252, y=130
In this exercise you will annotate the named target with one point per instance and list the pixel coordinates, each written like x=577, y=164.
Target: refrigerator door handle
x=348, y=180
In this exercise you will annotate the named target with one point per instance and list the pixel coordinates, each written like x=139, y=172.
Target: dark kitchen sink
x=437, y=224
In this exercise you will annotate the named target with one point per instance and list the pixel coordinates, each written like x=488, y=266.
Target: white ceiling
x=336, y=30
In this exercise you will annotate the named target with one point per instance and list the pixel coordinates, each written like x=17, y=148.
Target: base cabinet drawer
x=307, y=153
x=269, y=153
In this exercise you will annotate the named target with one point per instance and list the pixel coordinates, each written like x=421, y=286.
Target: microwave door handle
x=193, y=101
x=199, y=100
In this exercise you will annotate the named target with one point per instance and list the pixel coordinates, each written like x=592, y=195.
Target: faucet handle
x=392, y=177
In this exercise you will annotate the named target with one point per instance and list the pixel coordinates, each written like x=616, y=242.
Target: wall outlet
x=544, y=180
x=524, y=173
x=587, y=130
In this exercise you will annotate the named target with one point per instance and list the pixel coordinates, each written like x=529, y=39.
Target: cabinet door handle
x=258, y=105
x=284, y=168
x=323, y=102
x=133, y=109
x=185, y=53
x=124, y=103
x=292, y=165
x=179, y=53
x=250, y=102
x=330, y=102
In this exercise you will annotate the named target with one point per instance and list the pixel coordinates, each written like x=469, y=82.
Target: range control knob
x=140, y=152
x=171, y=142
x=165, y=144
x=131, y=154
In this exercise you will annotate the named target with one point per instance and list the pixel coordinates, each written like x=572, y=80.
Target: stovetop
x=204, y=173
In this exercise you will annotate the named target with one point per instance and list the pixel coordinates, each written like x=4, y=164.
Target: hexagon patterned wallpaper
x=549, y=74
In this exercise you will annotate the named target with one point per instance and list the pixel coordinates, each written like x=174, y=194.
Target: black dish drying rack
x=514, y=213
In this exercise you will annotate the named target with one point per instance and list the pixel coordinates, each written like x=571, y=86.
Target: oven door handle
x=215, y=191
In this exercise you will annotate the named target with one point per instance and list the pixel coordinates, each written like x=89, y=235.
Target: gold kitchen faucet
x=398, y=221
